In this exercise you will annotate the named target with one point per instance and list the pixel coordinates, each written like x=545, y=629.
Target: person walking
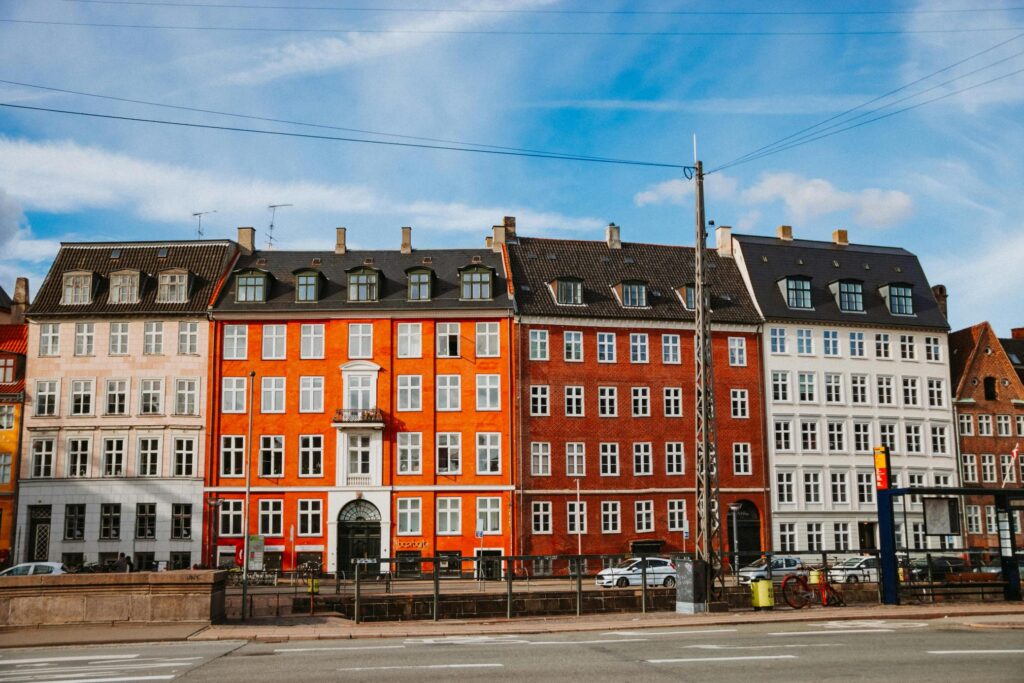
x=121, y=564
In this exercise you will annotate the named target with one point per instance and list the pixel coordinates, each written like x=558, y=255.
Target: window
x=81, y=397
x=815, y=537
x=181, y=521
x=488, y=392
x=859, y=389
x=677, y=514
x=833, y=388
x=487, y=340
x=186, y=397
x=419, y=285
x=573, y=401
x=783, y=435
x=538, y=344
x=674, y=402
x=804, y=342
x=572, y=342
x=901, y=300
x=447, y=340
x=184, y=457
x=153, y=338
x=42, y=458
x=840, y=488
x=887, y=436
x=609, y=459
x=885, y=393
x=271, y=456
x=809, y=435
x=883, y=348
x=6, y=417
x=306, y=286
x=937, y=396
x=576, y=517
x=230, y=518
x=78, y=457
x=540, y=459
x=911, y=394
x=539, y=400
x=741, y=464
x=856, y=345
x=449, y=447
x=865, y=488
x=973, y=519
x=984, y=425
x=541, y=517
x=311, y=394
x=272, y=395
x=780, y=386
x=605, y=347
x=358, y=457
x=634, y=294
x=641, y=402
x=85, y=334
x=233, y=394
x=1007, y=470
x=569, y=292
x=488, y=453
x=449, y=393
x=250, y=288
x=940, y=441
x=77, y=289
x=798, y=292
x=49, y=339
x=410, y=344
x=124, y=288
x=841, y=535
x=410, y=392
x=575, y=459
x=675, y=457
x=851, y=296
x=784, y=487
x=488, y=515
x=642, y=464
x=476, y=284
x=188, y=338
x=966, y=424
x=311, y=455
x=830, y=342
x=610, y=517
x=739, y=404
x=988, y=469
x=149, y=457
x=74, y=522
x=310, y=517
x=362, y=285
x=607, y=401
x=151, y=396
x=644, y=516
x=836, y=437
x=113, y=457
x=737, y=351
x=812, y=487
x=449, y=516
x=970, y=468
x=638, y=348
x=908, y=349
x=990, y=520
x=932, y=349
x=118, y=340
x=777, y=339
x=274, y=341
x=360, y=340
x=271, y=517
x=1020, y=427
x=236, y=342
x=110, y=521
x=670, y=349
x=172, y=288
x=409, y=516
x=807, y=385
x=1003, y=425
x=787, y=537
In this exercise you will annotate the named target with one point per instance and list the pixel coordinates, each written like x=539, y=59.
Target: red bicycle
x=799, y=593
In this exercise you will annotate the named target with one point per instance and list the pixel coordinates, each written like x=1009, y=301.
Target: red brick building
x=605, y=387
x=988, y=381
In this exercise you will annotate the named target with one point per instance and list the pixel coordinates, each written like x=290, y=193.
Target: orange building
x=378, y=385
x=13, y=347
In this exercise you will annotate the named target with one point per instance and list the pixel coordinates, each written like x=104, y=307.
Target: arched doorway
x=744, y=529
x=358, y=536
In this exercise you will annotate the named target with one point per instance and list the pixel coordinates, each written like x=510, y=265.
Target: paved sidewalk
x=327, y=627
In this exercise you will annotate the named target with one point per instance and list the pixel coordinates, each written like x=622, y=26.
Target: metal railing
x=358, y=415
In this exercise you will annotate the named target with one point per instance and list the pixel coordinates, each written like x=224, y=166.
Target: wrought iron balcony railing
x=358, y=416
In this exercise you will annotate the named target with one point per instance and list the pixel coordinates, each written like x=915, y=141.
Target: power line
x=311, y=136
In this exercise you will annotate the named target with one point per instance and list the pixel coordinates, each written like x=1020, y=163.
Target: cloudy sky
x=598, y=78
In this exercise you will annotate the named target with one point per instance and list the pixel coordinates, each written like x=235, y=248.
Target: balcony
x=358, y=418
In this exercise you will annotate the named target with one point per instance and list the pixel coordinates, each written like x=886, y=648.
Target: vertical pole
x=579, y=588
x=248, y=491
x=508, y=587
x=579, y=520
x=437, y=588
x=643, y=584
x=1007, y=549
x=355, y=615
x=888, y=573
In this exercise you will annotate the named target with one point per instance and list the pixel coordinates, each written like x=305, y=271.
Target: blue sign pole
x=889, y=574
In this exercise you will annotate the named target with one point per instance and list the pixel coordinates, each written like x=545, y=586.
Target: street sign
x=364, y=560
x=882, y=478
x=256, y=546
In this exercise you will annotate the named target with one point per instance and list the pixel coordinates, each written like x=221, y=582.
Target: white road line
x=587, y=642
x=668, y=633
x=975, y=652
x=757, y=647
x=112, y=680
x=426, y=666
x=719, y=659
x=47, y=660
x=99, y=667
x=340, y=649
x=830, y=633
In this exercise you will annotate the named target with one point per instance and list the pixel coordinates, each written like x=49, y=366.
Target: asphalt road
x=943, y=650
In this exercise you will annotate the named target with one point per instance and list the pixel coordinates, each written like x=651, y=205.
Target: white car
x=660, y=572
x=35, y=569
x=782, y=566
x=854, y=570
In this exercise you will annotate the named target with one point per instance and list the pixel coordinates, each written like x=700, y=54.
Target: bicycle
x=798, y=593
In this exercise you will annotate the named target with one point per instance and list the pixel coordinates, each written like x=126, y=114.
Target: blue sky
x=943, y=180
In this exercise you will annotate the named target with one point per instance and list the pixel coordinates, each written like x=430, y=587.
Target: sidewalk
x=326, y=627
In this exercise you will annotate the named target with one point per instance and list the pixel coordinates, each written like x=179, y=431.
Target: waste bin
x=814, y=577
x=762, y=594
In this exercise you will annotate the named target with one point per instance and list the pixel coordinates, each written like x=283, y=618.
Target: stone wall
x=104, y=598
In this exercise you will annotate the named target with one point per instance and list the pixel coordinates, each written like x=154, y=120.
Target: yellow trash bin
x=762, y=594
x=814, y=577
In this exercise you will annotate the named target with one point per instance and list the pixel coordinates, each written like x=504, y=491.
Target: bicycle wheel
x=833, y=598
x=796, y=592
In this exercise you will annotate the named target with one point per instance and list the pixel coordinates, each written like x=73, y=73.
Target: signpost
x=256, y=547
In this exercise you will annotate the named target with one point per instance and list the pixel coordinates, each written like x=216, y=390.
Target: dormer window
x=172, y=288
x=251, y=288
x=476, y=283
x=569, y=292
x=124, y=288
x=307, y=286
x=688, y=294
x=901, y=300
x=362, y=285
x=634, y=294
x=851, y=296
x=419, y=285
x=77, y=289
x=798, y=292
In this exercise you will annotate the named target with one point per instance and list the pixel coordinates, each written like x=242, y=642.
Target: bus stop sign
x=882, y=479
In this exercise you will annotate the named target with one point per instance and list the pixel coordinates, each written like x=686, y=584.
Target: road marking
x=975, y=652
x=719, y=659
x=875, y=623
x=667, y=633
x=426, y=666
x=756, y=647
x=340, y=649
x=587, y=642
x=115, y=680
x=47, y=660
x=830, y=633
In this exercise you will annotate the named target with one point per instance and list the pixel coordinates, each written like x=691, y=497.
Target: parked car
x=782, y=566
x=854, y=570
x=997, y=567
x=660, y=572
x=940, y=567
x=35, y=569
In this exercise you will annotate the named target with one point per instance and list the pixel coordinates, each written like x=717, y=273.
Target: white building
x=855, y=355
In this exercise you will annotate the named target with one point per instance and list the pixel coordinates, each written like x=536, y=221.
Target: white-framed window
x=908, y=349
x=605, y=347
x=573, y=401
x=6, y=417
x=149, y=456
x=737, y=351
x=184, y=452
x=1020, y=428
x=991, y=526
x=360, y=340
x=488, y=516
x=677, y=514
x=79, y=453
x=932, y=349
x=540, y=458
x=410, y=391
x=1008, y=469
x=449, y=516
x=311, y=394
x=670, y=345
x=739, y=403
x=807, y=387
x=186, y=396
x=172, y=288
x=777, y=339
x=937, y=394
x=611, y=516
x=85, y=336
x=410, y=516
x=232, y=394
x=940, y=440
x=912, y=432
x=275, y=342
x=447, y=340
x=783, y=431
x=575, y=459
x=540, y=403
x=787, y=537
x=833, y=388
x=311, y=341
x=541, y=517
x=865, y=488
x=812, y=487
x=311, y=455
x=271, y=517
x=572, y=346
x=641, y=401
x=885, y=396
x=449, y=453
x=113, y=457
x=836, y=436
x=609, y=453
x=49, y=339
x=911, y=391
x=830, y=342
x=151, y=396
x=236, y=342
x=973, y=519
x=488, y=392
x=410, y=452
x=124, y=288
x=673, y=400
x=815, y=536
x=118, y=339
x=42, y=458
x=857, y=345
x=741, y=461
x=1003, y=425
x=642, y=460
x=538, y=344
x=230, y=518
x=449, y=392
x=607, y=401
x=883, y=346
x=488, y=341
x=153, y=337
x=488, y=453
x=310, y=517
x=576, y=517
x=784, y=493
x=634, y=294
x=81, y=397
x=77, y=289
x=188, y=338
x=272, y=456
x=675, y=457
x=644, y=516
x=410, y=340
x=840, y=488
x=232, y=456
x=804, y=342
x=272, y=395
x=780, y=386
x=638, y=348
x=859, y=390
x=988, y=468
x=984, y=425
x=887, y=435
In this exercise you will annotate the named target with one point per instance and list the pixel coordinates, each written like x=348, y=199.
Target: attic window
x=172, y=288
x=362, y=284
x=569, y=291
x=77, y=289
x=551, y=257
x=307, y=286
x=161, y=252
x=475, y=259
x=629, y=259
x=901, y=300
x=476, y=283
x=261, y=262
x=428, y=260
x=634, y=294
x=250, y=288
x=115, y=254
x=851, y=296
x=798, y=292
x=419, y=285
x=688, y=293
x=317, y=261
x=605, y=259
x=368, y=261
x=124, y=288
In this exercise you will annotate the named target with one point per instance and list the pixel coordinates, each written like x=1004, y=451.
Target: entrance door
x=866, y=535
x=744, y=529
x=358, y=537
x=38, y=533
x=488, y=569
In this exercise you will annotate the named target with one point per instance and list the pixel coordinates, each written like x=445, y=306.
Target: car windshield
x=626, y=564
x=850, y=562
x=757, y=564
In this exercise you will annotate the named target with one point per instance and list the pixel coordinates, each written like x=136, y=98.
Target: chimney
x=510, y=227
x=489, y=242
x=723, y=240
x=407, y=240
x=784, y=233
x=20, y=301
x=339, y=241
x=1017, y=332
x=611, y=236
x=840, y=237
x=941, y=295
x=500, y=232
x=247, y=239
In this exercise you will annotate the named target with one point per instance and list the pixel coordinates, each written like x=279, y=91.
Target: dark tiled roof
x=333, y=268
x=5, y=300
x=207, y=261
x=769, y=260
x=536, y=262
x=14, y=339
x=1015, y=351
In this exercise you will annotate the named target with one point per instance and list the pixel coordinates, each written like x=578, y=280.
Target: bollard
x=508, y=588
x=355, y=615
x=643, y=585
x=579, y=589
x=437, y=589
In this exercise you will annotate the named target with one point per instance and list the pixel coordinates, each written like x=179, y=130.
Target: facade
x=13, y=334
x=989, y=401
x=854, y=354
x=113, y=452
x=379, y=388
x=605, y=397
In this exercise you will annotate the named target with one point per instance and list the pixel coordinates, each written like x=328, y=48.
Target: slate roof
x=535, y=262
x=1015, y=352
x=5, y=300
x=206, y=260
x=393, y=282
x=769, y=260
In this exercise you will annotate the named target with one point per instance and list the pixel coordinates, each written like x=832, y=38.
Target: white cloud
x=12, y=219
x=807, y=198
x=678, y=191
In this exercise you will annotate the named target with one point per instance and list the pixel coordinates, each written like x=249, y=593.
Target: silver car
x=781, y=567
x=660, y=572
x=854, y=570
x=35, y=569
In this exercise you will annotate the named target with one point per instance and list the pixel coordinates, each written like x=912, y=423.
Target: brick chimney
x=612, y=235
x=1017, y=332
x=784, y=233
x=247, y=239
x=20, y=301
x=723, y=240
x=510, y=227
x=407, y=240
x=339, y=241
x=840, y=237
x=941, y=295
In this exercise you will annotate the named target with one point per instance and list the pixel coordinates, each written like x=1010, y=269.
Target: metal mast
x=273, y=214
x=198, y=215
x=709, y=524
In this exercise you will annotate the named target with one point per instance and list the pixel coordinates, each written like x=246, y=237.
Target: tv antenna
x=273, y=214
x=198, y=215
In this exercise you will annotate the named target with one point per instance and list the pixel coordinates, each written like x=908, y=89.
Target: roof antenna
x=273, y=214
x=198, y=215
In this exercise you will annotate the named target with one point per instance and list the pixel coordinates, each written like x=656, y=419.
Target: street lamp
x=735, y=509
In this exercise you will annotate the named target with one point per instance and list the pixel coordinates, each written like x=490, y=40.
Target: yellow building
x=13, y=347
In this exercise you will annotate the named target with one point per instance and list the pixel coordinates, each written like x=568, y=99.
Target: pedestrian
x=120, y=564
x=129, y=565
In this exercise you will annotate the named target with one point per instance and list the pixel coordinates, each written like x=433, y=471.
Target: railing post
x=931, y=580
x=355, y=615
x=579, y=586
x=643, y=584
x=508, y=587
x=437, y=588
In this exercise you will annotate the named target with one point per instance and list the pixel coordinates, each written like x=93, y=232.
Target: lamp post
x=735, y=509
x=248, y=488
x=214, y=504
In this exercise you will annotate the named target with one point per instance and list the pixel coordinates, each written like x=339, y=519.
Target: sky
x=601, y=79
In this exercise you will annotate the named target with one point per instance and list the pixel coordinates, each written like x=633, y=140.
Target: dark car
x=941, y=566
